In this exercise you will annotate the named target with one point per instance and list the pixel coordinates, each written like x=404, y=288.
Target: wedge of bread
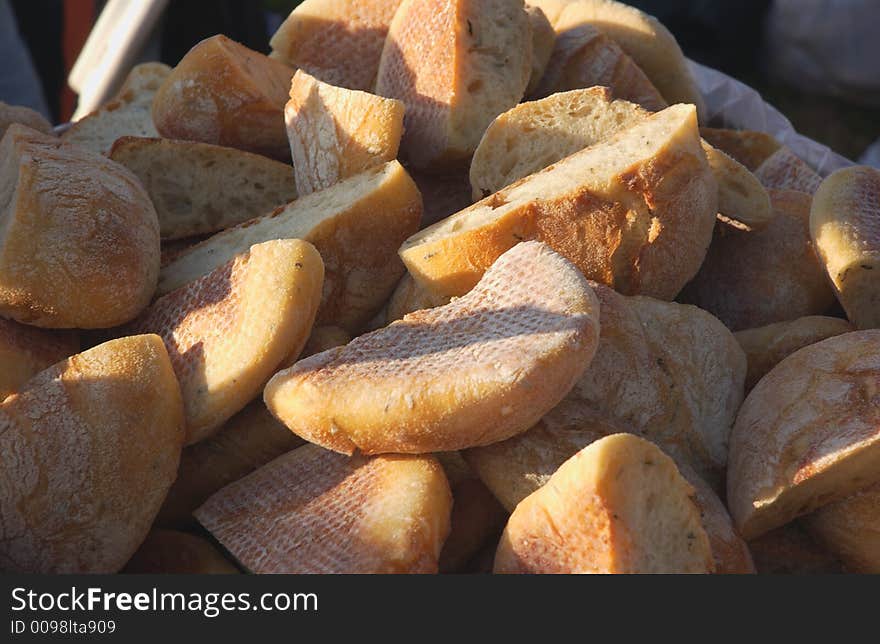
x=10, y=114
x=25, y=351
x=336, y=133
x=169, y=552
x=229, y=331
x=784, y=170
x=79, y=240
x=850, y=528
x=478, y=370
x=127, y=114
x=357, y=226
x=88, y=450
x=807, y=433
x=845, y=229
x=223, y=93
x=338, y=41
x=635, y=212
x=767, y=346
x=749, y=147
x=456, y=65
x=618, y=506
x=313, y=511
x=543, y=39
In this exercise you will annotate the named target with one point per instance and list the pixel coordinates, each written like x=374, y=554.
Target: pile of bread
x=439, y=285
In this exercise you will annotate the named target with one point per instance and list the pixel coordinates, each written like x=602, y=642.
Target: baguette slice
x=543, y=40
x=25, y=351
x=845, y=228
x=230, y=330
x=356, y=225
x=618, y=506
x=851, y=529
x=337, y=133
x=199, y=188
x=127, y=114
x=313, y=511
x=473, y=372
x=168, y=552
x=223, y=93
x=10, y=114
x=783, y=170
x=337, y=41
x=583, y=57
x=635, y=212
x=753, y=278
x=748, y=147
x=456, y=65
x=767, y=346
x=246, y=442
x=808, y=433
x=88, y=450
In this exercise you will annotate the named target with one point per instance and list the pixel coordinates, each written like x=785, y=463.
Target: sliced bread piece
x=543, y=39
x=784, y=170
x=199, y=188
x=25, y=351
x=749, y=147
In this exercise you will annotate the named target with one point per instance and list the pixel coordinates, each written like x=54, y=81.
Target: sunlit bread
x=10, y=114
x=783, y=170
x=748, y=147
x=543, y=39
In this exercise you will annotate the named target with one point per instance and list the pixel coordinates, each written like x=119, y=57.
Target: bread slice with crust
x=199, y=188
x=748, y=147
x=784, y=170
x=456, y=65
x=25, y=351
x=336, y=133
x=478, y=370
x=635, y=212
x=543, y=39
x=618, y=506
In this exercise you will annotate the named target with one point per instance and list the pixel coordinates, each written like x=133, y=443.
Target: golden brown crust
x=746, y=146
x=223, y=93
x=10, y=114
x=313, y=511
x=25, y=351
x=88, y=450
x=168, y=552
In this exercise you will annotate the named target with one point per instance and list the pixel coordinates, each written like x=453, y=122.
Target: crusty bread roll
x=246, y=442
x=313, y=511
x=619, y=506
x=851, y=529
x=221, y=92
x=127, y=114
x=783, y=170
x=650, y=44
x=845, y=228
x=336, y=133
x=410, y=296
x=338, y=41
x=79, y=245
x=10, y=114
x=443, y=194
x=748, y=147
x=543, y=39
x=593, y=208
x=478, y=370
x=229, y=331
x=25, y=351
x=88, y=450
x=807, y=433
x=583, y=57
x=767, y=346
x=792, y=550
x=324, y=338
x=357, y=226
x=169, y=552
x=753, y=278
x=456, y=65
x=199, y=188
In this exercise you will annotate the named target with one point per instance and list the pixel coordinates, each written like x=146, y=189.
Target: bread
x=651, y=46
x=127, y=114
x=748, y=147
x=767, y=346
x=551, y=8
x=323, y=338
x=169, y=552
x=753, y=278
x=456, y=65
x=25, y=351
x=223, y=93
x=791, y=550
x=741, y=196
x=783, y=170
x=313, y=511
x=336, y=133
x=337, y=41
x=199, y=188
x=10, y=114
x=845, y=229
x=409, y=297
x=246, y=442
x=356, y=225
x=851, y=529
x=88, y=450
x=583, y=57
x=473, y=372
x=229, y=331
x=79, y=245
x=592, y=207
x=807, y=433
x=443, y=194
x=543, y=39
x=618, y=506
